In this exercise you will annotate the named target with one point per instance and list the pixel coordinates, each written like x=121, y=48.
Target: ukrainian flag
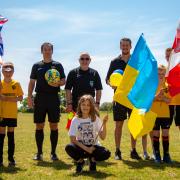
x=138, y=87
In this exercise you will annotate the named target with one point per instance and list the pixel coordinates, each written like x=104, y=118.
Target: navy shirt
x=83, y=82
x=38, y=73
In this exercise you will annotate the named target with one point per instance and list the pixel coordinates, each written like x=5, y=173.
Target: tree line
x=106, y=106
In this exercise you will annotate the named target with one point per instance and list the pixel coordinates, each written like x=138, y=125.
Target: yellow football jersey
x=175, y=100
x=160, y=107
x=11, y=89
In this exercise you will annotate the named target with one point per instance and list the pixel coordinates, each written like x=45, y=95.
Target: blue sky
x=95, y=26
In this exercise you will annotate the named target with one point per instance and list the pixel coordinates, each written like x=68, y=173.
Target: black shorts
x=175, y=114
x=163, y=123
x=120, y=112
x=46, y=104
x=171, y=111
x=9, y=122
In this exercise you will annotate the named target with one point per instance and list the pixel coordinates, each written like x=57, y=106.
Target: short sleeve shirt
x=115, y=64
x=83, y=82
x=38, y=73
x=160, y=107
x=85, y=130
x=11, y=89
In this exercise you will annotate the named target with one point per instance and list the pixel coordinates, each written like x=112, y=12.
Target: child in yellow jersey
x=11, y=93
x=175, y=110
x=174, y=106
x=161, y=108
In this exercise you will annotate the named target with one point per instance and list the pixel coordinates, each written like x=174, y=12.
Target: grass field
x=112, y=169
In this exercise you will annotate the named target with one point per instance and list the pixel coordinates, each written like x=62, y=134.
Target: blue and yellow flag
x=138, y=86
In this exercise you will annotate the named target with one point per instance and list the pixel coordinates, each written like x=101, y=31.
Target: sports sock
x=165, y=140
x=39, y=135
x=11, y=145
x=54, y=140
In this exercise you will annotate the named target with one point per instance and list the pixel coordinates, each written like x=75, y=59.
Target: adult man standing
x=120, y=112
x=82, y=80
x=46, y=100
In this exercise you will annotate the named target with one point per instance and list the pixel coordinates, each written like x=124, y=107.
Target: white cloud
x=29, y=14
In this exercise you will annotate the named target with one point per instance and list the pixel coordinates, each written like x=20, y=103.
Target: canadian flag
x=173, y=71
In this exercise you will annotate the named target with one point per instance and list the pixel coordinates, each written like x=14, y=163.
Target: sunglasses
x=84, y=59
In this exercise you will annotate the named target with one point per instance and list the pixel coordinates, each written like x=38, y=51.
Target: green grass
x=126, y=169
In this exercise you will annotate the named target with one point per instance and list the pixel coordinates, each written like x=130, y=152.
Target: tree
x=106, y=106
x=24, y=106
x=62, y=96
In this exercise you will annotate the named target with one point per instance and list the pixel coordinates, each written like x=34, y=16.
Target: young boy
x=11, y=93
x=161, y=108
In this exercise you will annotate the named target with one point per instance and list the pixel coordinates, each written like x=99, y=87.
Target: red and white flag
x=173, y=71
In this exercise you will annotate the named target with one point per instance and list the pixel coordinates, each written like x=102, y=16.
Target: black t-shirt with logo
x=115, y=64
x=83, y=82
x=38, y=73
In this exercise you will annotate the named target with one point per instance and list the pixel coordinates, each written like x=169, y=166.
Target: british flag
x=2, y=21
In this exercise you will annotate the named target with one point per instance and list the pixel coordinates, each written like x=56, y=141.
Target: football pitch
x=64, y=168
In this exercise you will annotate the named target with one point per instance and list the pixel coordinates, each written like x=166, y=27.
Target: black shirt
x=83, y=82
x=115, y=64
x=38, y=72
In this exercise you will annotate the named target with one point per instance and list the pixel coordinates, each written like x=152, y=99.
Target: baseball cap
x=8, y=66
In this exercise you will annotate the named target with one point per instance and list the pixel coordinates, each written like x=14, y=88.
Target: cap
x=8, y=67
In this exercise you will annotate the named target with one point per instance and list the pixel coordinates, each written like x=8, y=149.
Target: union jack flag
x=2, y=21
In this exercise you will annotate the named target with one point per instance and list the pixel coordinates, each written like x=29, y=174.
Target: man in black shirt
x=46, y=100
x=80, y=81
x=120, y=112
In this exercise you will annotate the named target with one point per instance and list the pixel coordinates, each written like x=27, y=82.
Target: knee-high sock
x=156, y=144
x=165, y=144
x=39, y=140
x=11, y=145
x=54, y=140
x=2, y=136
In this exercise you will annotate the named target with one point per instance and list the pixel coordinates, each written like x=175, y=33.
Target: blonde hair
x=162, y=68
x=93, y=110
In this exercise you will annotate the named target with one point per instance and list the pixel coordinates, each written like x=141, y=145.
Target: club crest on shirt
x=91, y=83
x=13, y=86
x=78, y=75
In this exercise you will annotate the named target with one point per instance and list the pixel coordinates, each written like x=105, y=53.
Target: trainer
x=82, y=80
x=46, y=100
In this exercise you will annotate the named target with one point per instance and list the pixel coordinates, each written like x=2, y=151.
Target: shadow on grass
x=10, y=170
x=95, y=175
x=106, y=163
x=98, y=174
x=143, y=164
x=56, y=164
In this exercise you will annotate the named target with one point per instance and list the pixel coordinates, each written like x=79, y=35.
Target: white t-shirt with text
x=85, y=130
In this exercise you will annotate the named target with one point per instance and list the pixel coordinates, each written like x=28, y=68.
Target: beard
x=125, y=53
